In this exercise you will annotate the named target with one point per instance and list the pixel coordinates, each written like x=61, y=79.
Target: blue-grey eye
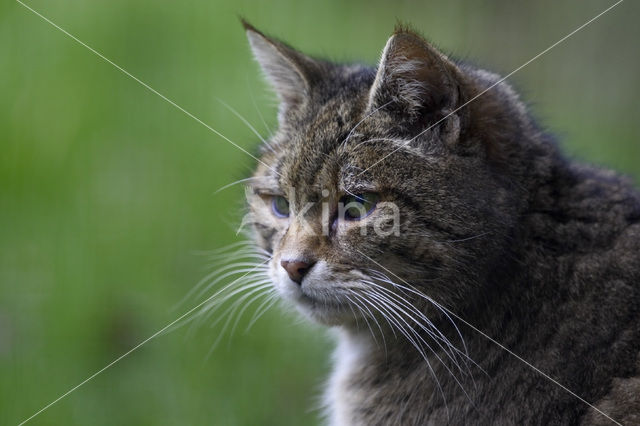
x=280, y=206
x=359, y=206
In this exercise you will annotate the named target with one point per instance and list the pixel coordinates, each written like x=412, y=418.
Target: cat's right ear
x=290, y=73
x=415, y=80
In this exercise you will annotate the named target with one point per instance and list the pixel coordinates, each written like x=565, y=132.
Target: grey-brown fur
x=539, y=252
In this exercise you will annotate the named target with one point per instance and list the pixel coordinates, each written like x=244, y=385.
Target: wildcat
x=502, y=244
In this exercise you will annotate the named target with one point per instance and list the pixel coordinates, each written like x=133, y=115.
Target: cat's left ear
x=415, y=80
x=291, y=73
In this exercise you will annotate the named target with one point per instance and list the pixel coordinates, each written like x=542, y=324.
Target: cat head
x=382, y=179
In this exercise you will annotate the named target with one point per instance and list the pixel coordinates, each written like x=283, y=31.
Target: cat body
x=574, y=316
x=486, y=278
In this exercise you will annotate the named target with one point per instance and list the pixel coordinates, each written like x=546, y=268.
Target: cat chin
x=325, y=314
x=317, y=309
x=323, y=317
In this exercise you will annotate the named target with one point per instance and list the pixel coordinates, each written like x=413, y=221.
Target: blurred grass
x=106, y=190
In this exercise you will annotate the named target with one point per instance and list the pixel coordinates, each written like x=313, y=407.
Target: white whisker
x=261, y=291
x=245, y=121
x=209, y=309
x=453, y=350
x=229, y=185
x=229, y=315
x=362, y=307
x=416, y=292
x=269, y=301
x=392, y=305
x=401, y=304
x=253, y=101
x=228, y=274
x=388, y=315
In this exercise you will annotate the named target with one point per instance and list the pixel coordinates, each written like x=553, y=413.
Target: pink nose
x=296, y=269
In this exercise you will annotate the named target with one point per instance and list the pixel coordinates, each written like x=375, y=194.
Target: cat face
x=371, y=185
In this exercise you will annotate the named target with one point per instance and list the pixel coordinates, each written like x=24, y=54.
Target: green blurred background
x=107, y=191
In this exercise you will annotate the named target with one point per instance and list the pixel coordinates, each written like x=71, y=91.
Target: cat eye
x=359, y=206
x=280, y=206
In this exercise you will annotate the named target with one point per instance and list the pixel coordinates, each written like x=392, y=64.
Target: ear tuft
x=405, y=28
x=246, y=25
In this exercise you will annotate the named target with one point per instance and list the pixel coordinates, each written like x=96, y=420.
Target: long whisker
x=463, y=353
x=363, y=307
x=236, y=268
x=351, y=305
x=415, y=291
x=394, y=318
x=431, y=331
x=269, y=301
x=401, y=305
x=219, y=298
x=389, y=316
x=354, y=313
x=253, y=101
x=242, y=247
x=208, y=310
x=228, y=313
x=229, y=185
x=391, y=306
x=244, y=258
x=185, y=319
x=245, y=121
x=261, y=291
x=238, y=258
x=226, y=248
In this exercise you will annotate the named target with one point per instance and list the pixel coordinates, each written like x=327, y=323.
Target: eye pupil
x=280, y=206
x=359, y=206
x=353, y=212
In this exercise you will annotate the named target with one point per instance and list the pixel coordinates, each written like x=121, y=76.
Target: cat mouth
x=322, y=300
x=315, y=300
x=325, y=307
